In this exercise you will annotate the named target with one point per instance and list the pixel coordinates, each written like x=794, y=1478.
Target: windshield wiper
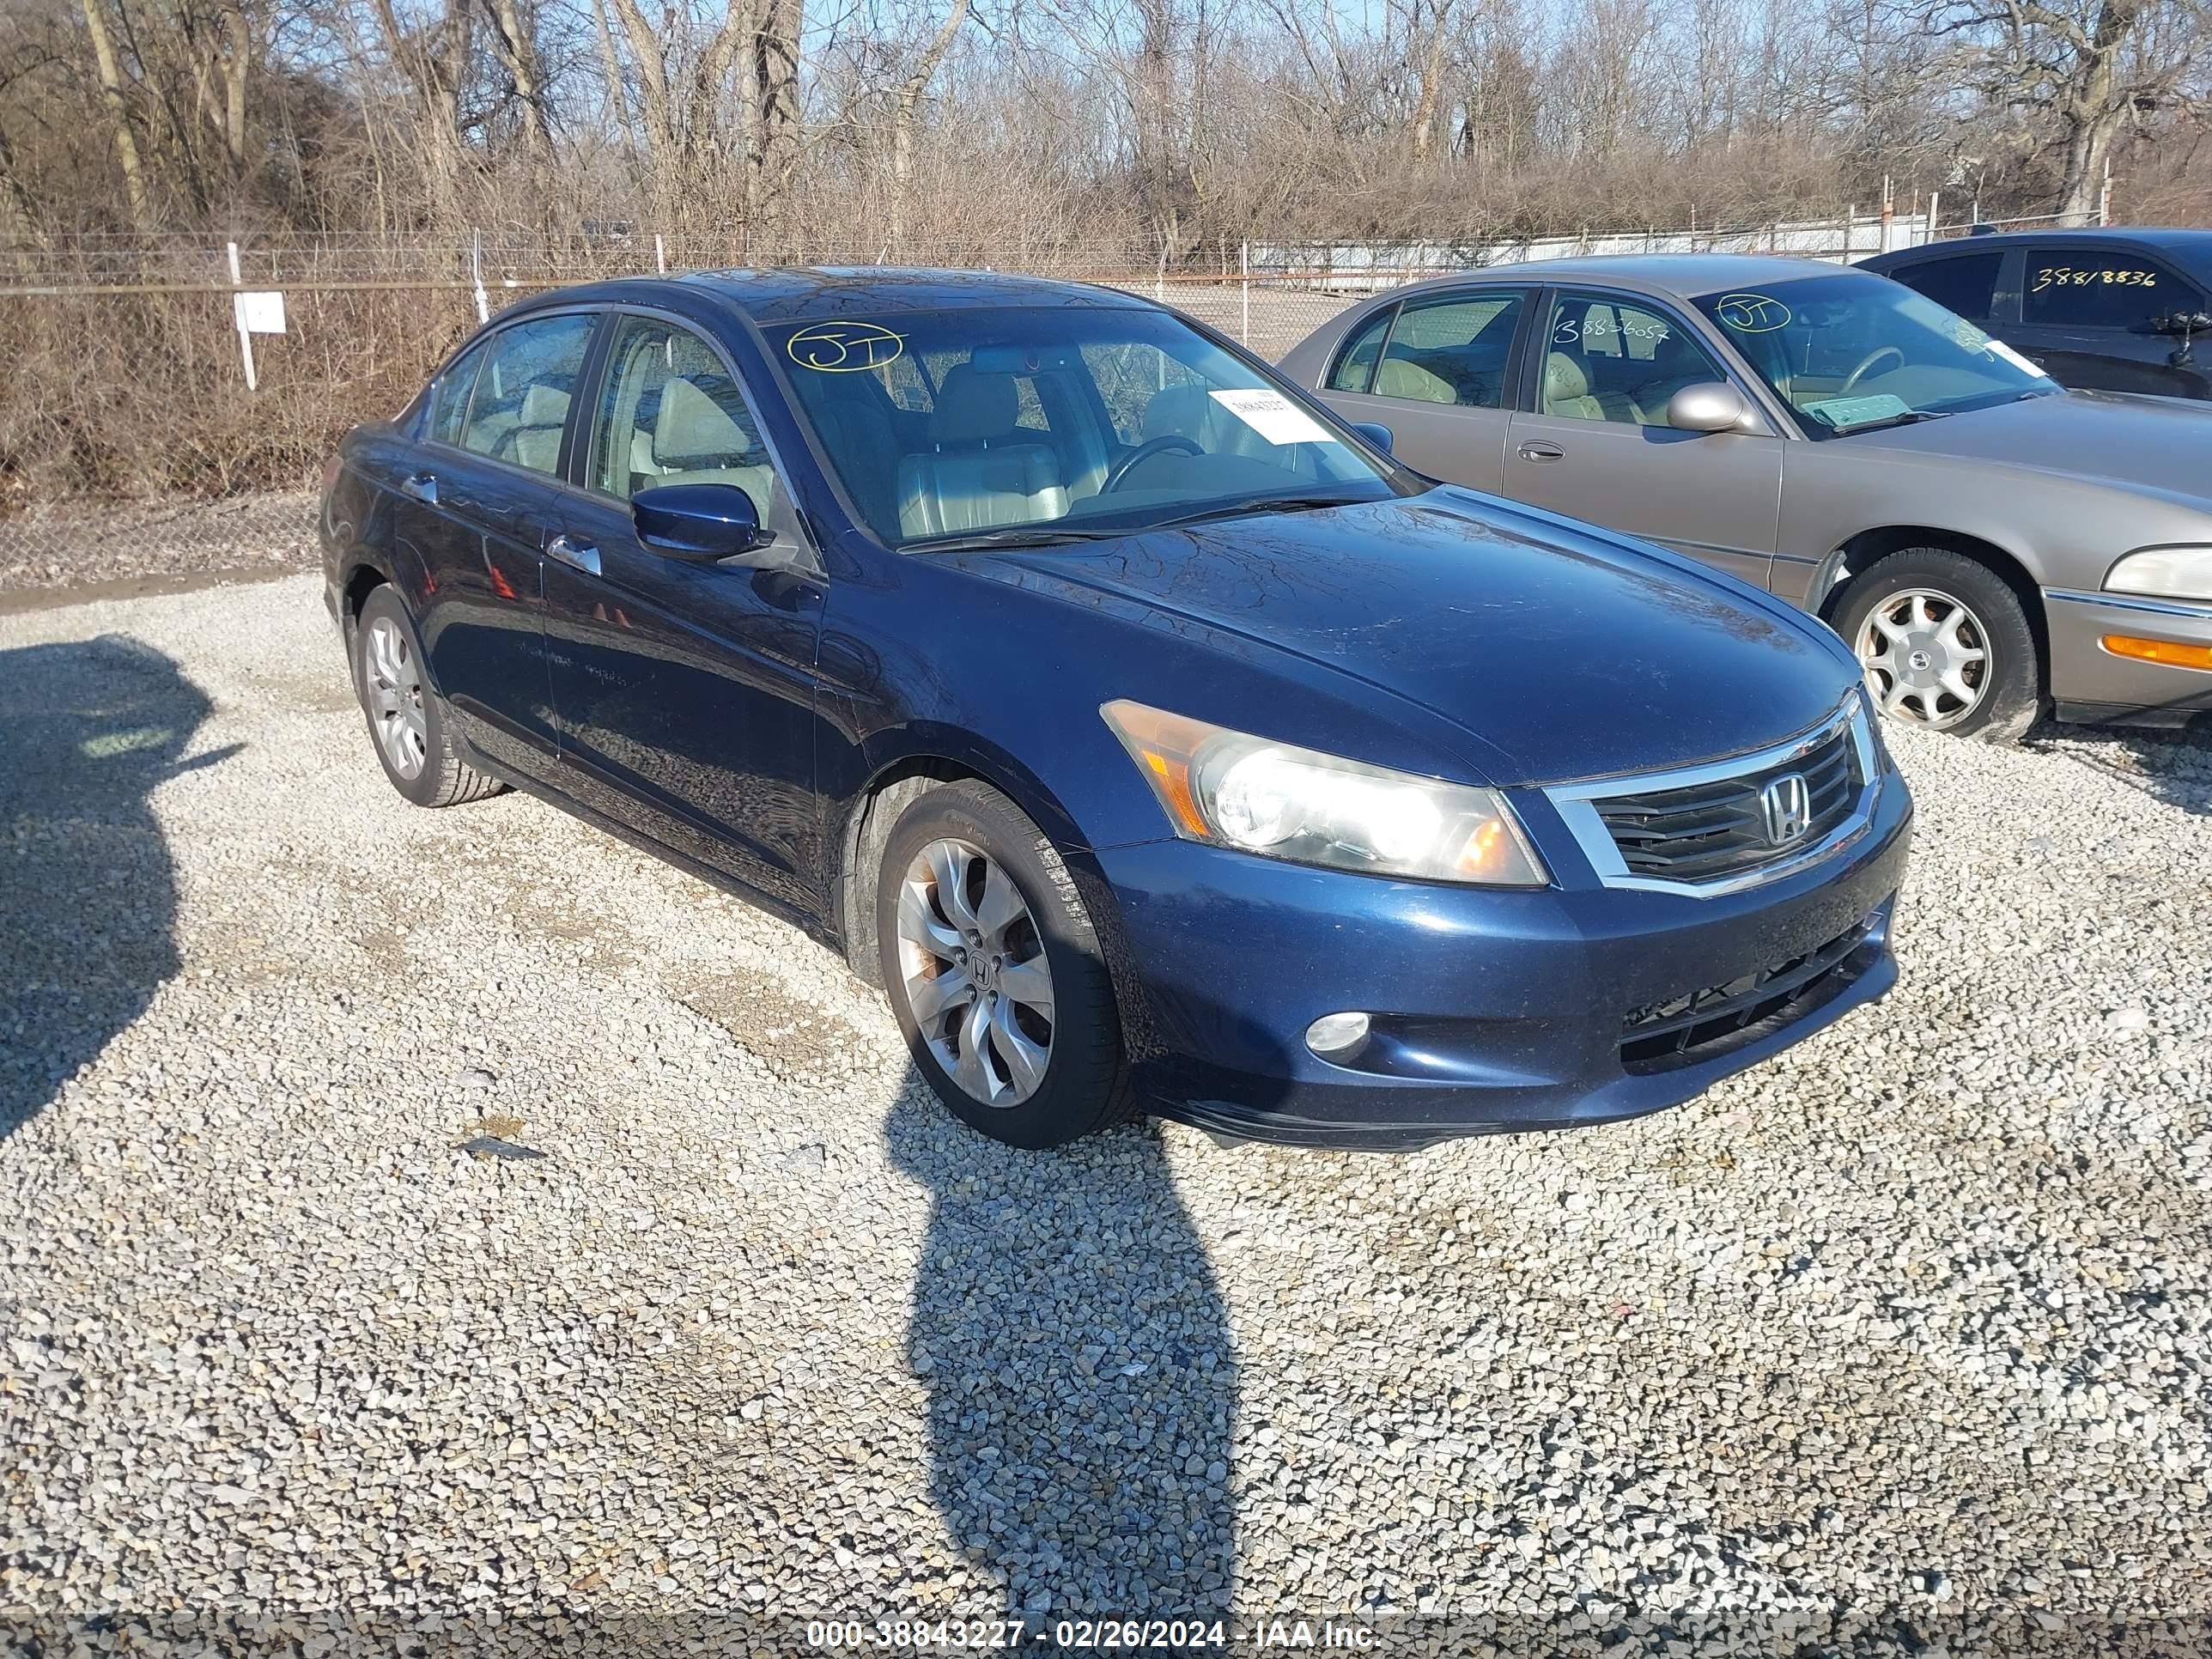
x=1026, y=535
x=1261, y=504
x=1910, y=417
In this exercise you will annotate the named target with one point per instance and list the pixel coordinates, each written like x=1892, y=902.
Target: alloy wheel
x=975, y=973
x=394, y=686
x=1926, y=657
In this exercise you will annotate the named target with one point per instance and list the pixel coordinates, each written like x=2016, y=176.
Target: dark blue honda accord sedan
x=1150, y=736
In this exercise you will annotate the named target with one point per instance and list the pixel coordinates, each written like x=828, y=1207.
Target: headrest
x=974, y=408
x=542, y=406
x=1563, y=378
x=1177, y=411
x=692, y=425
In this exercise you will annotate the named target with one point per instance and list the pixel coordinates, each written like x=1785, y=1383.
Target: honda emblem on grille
x=1787, y=806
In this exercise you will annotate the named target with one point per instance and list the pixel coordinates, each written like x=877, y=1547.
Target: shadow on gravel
x=2175, y=767
x=88, y=894
x=1082, y=1391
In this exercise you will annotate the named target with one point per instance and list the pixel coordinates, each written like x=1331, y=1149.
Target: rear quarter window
x=1966, y=284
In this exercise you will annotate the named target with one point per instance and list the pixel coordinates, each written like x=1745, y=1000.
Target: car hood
x=1562, y=652
x=2106, y=438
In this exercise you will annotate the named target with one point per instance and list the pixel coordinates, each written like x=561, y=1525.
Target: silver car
x=1989, y=543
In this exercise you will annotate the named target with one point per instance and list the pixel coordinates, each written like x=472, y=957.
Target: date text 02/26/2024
x=1088, y=1634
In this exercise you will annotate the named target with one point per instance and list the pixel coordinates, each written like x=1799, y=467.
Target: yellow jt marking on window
x=844, y=348
x=1752, y=313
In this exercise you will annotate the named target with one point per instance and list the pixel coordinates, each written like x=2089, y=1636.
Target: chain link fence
x=150, y=431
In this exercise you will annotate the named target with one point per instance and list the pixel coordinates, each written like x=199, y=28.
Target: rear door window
x=1452, y=350
x=1966, y=283
x=452, y=403
x=529, y=378
x=1355, y=365
x=2113, y=288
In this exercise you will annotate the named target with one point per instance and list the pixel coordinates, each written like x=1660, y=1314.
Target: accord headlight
x=1283, y=802
x=2170, y=573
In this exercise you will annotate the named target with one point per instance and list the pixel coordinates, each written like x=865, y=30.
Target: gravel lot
x=411, y=1217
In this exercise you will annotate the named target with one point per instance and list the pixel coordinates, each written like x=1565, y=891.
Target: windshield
x=1851, y=352
x=1049, y=422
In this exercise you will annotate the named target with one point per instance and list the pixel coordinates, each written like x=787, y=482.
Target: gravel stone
x=1900, y=1343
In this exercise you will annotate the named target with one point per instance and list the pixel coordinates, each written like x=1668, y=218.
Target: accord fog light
x=1333, y=1037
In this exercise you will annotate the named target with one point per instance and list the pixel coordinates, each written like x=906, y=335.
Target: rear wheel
x=994, y=969
x=1944, y=645
x=406, y=718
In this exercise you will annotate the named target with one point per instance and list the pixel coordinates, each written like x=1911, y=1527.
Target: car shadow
x=2171, y=766
x=87, y=885
x=1079, y=1363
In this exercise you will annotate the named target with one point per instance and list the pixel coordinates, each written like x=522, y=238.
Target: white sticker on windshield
x=1273, y=417
x=2000, y=348
x=1841, y=412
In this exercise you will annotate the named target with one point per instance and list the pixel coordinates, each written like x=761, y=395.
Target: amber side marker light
x=2160, y=650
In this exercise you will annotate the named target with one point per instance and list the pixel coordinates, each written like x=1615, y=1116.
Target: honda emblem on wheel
x=1787, y=806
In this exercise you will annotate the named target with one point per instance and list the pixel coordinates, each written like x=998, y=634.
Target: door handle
x=581, y=556
x=1539, y=452
x=424, y=487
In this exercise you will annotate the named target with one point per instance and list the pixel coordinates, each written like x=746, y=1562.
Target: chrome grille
x=1734, y=823
x=1705, y=830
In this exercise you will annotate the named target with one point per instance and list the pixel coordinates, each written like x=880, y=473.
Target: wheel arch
x=895, y=779
x=1869, y=547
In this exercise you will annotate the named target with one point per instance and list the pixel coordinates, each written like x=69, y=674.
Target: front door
x=2097, y=318
x=686, y=691
x=476, y=511
x=1438, y=373
x=1598, y=446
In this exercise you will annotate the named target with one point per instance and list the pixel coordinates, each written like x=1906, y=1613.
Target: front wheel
x=994, y=971
x=1944, y=645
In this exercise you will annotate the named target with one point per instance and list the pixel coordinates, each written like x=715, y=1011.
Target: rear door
x=477, y=512
x=2095, y=317
x=1438, y=372
x=686, y=691
x=1595, y=444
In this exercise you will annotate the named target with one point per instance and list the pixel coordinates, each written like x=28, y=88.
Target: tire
x=1912, y=618
x=406, y=717
x=966, y=838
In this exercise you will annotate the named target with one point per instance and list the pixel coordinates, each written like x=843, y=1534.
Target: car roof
x=2192, y=243
x=787, y=294
x=1679, y=276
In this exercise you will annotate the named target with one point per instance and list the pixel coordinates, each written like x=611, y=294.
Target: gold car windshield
x=1853, y=352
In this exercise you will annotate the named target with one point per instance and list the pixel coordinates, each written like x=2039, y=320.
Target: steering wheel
x=1144, y=451
x=1868, y=362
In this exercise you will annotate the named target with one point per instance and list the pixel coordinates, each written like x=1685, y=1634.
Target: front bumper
x=1492, y=1011
x=2088, y=683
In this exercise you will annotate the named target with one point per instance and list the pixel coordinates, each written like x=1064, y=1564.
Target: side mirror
x=1710, y=406
x=2184, y=323
x=698, y=522
x=1376, y=432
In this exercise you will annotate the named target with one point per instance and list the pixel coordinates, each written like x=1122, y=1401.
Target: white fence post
x=476, y=276
x=659, y=254
x=244, y=335
x=1935, y=220
x=1245, y=268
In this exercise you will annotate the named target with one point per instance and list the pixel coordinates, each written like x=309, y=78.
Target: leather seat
x=693, y=440
x=980, y=472
x=533, y=437
x=1399, y=377
x=1567, y=389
